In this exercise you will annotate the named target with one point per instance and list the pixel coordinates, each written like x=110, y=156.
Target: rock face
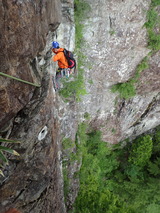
x=33, y=182
x=116, y=41
x=23, y=30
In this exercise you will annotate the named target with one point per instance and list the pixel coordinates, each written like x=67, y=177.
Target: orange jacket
x=62, y=61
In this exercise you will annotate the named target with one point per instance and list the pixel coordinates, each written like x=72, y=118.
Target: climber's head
x=55, y=45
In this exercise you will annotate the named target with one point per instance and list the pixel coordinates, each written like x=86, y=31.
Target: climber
x=62, y=63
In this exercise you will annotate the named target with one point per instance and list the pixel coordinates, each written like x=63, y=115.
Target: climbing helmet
x=55, y=44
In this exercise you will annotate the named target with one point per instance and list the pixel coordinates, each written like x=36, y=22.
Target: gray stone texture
x=116, y=42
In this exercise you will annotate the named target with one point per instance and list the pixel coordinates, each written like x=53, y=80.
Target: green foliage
x=93, y=196
x=141, y=67
x=116, y=179
x=71, y=152
x=90, y=82
x=65, y=182
x=156, y=140
x=151, y=25
x=81, y=137
x=67, y=143
x=157, y=136
x=155, y=3
x=141, y=151
x=92, y=199
x=82, y=8
x=6, y=149
x=67, y=159
x=154, y=167
x=126, y=90
x=153, y=208
x=154, y=40
x=86, y=115
x=76, y=88
x=151, y=17
x=112, y=32
x=113, y=130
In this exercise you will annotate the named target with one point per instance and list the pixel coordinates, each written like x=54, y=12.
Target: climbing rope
x=18, y=79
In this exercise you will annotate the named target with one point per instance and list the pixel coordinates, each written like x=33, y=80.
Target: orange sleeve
x=56, y=57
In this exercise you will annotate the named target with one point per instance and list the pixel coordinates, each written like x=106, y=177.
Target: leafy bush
x=116, y=179
x=93, y=196
x=156, y=141
x=154, y=40
x=153, y=208
x=141, y=151
x=155, y=3
x=74, y=88
x=67, y=143
x=126, y=90
x=141, y=67
x=151, y=17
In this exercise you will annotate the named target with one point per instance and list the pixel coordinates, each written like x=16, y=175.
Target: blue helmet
x=55, y=44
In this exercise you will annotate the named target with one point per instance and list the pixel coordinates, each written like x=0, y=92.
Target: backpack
x=70, y=59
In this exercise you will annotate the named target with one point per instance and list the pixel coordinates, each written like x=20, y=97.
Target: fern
x=141, y=151
x=153, y=168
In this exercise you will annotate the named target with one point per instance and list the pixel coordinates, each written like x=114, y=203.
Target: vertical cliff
x=32, y=182
x=24, y=27
x=116, y=41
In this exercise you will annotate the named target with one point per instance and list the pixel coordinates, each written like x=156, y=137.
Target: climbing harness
x=61, y=72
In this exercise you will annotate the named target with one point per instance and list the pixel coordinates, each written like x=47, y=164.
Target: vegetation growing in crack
x=72, y=156
x=67, y=146
x=76, y=88
x=86, y=115
x=4, y=148
x=128, y=89
x=152, y=26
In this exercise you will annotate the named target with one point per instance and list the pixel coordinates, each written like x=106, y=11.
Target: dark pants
x=59, y=74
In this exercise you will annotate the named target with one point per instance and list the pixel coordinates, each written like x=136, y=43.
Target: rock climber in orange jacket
x=62, y=63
